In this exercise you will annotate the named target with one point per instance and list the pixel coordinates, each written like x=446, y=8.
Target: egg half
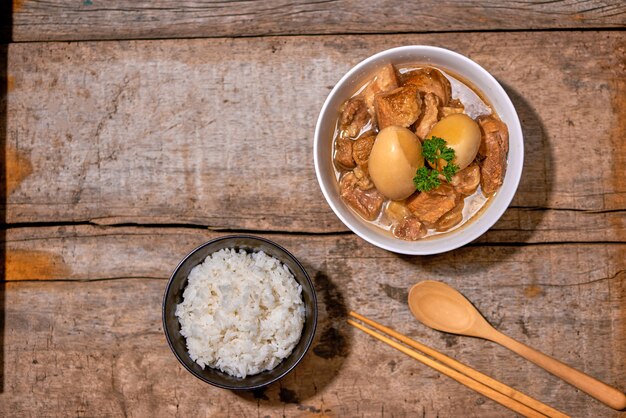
x=395, y=157
x=461, y=134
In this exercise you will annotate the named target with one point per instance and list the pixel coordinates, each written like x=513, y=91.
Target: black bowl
x=174, y=295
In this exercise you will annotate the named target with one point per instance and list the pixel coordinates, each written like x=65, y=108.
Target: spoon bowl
x=439, y=306
x=443, y=308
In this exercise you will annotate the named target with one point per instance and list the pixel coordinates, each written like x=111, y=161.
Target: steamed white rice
x=241, y=313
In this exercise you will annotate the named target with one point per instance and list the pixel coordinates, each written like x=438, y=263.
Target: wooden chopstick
x=463, y=374
x=468, y=371
x=459, y=377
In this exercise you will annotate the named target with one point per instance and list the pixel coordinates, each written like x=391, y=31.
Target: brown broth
x=475, y=104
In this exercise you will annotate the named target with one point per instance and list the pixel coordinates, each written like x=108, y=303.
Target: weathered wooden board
x=37, y=20
x=99, y=252
x=83, y=332
x=218, y=132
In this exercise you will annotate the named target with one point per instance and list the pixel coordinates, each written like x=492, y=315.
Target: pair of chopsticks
x=475, y=380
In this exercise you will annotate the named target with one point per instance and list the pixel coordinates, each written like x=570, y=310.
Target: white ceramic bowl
x=457, y=64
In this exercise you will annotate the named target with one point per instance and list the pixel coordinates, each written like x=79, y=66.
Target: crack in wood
x=602, y=279
x=312, y=34
x=98, y=279
x=619, y=275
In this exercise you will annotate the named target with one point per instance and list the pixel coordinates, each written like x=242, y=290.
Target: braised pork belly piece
x=366, y=203
x=383, y=81
x=429, y=117
x=343, y=153
x=494, y=147
x=362, y=148
x=409, y=229
x=429, y=206
x=399, y=107
x=429, y=80
x=354, y=117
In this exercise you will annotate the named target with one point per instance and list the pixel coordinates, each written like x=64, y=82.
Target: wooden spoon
x=443, y=308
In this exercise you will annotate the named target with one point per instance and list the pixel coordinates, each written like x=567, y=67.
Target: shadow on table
x=324, y=359
x=6, y=27
x=537, y=182
x=527, y=208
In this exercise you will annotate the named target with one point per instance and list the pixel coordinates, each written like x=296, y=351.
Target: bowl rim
x=308, y=342
x=505, y=196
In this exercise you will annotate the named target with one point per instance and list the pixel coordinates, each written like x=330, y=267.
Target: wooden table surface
x=133, y=131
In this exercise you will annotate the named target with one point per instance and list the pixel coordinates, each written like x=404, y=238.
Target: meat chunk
x=385, y=80
x=362, y=148
x=409, y=229
x=354, y=117
x=451, y=218
x=429, y=80
x=429, y=116
x=494, y=147
x=400, y=107
x=366, y=203
x=364, y=182
x=447, y=111
x=453, y=107
x=429, y=206
x=343, y=153
x=466, y=181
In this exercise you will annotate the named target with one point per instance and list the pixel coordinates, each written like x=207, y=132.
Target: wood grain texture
x=190, y=137
x=218, y=132
x=97, y=324
x=38, y=20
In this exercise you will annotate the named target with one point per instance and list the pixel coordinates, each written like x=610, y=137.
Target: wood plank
x=529, y=225
x=219, y=132
x=97, y=345
x=38, y=20
x=98, y=252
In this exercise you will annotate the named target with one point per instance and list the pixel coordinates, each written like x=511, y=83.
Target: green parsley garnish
x=450, y=170
x=434, y=149
x=426, y=179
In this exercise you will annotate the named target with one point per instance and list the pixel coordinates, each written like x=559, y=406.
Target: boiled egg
x=395, y=157
x=461, y=134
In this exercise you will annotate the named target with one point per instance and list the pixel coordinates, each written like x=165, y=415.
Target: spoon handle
x=599, y=390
